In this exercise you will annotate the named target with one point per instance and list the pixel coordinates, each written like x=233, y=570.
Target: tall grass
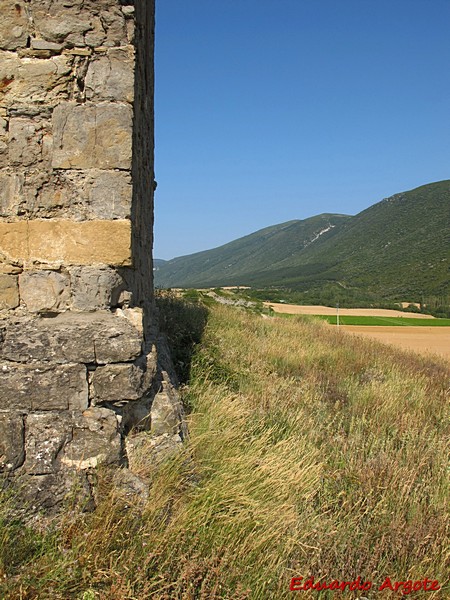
x=311, y=453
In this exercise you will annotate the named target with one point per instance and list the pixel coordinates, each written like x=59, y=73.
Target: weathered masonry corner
x=81, y=363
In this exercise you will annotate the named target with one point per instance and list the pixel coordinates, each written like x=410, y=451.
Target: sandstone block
x=101, y=338
x=14, y=28
x=67, y=242
x=43, y=387
x=12, y=451
x=14, y=240
x=46, y=435
x=111, y=76
x=96, y=440
x=94, y=288
x=44, y=291
x=9, y=292
x=92, y=136
x=85, y=243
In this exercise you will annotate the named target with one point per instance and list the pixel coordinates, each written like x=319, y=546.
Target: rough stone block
x=44, y=291
x=4, y=123
x=94, y=288
x=62, y=24
x=7, y=268
x=24, y=142
x=10, y=186
x=166, y=413
x=59, y=242
x=43, y=387
x=131, y=30
x=92, y=136
x=12, y=451
x=78, y=23
x=96, y=440
x=14, y=27
x=46, y=434
x=45, y=45
x=111, y=76
x=110, y=195
x=117, y=382
x=113, y=22
x=34, y=80
x=79, y=195
x=145, y=453
x=9, y=292
x=134, y=316
x=101, y=338
x=45, y=494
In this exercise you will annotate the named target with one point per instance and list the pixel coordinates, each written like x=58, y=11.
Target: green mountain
x=397, y=247
x=157, y=263
x=232, y=263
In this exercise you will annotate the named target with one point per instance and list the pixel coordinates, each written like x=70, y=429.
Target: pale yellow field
x=294, y=309
x=425, y=340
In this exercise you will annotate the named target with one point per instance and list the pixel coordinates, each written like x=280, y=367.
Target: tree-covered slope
x=399, y=246
x=231, y=263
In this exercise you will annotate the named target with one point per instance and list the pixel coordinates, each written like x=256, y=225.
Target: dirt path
x=425, y=340
x=294, y=309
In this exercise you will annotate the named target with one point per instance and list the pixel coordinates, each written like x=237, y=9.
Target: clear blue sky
x=272, y=110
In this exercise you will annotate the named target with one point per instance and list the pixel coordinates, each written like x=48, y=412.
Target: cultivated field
x=294, y=309
x=426, y=340
x=423, y=339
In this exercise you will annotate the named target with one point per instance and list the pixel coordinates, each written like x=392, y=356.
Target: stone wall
x=80, y=365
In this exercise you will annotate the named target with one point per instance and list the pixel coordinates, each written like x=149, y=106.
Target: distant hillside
x=399, y=246
x=233, y=262
x=158, y=263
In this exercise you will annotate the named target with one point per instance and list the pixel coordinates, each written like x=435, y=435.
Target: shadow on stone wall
x=183, y=324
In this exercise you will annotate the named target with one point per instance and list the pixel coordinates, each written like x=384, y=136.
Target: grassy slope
x=311, y=453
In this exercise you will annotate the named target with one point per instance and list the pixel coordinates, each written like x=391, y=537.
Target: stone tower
x=79, y=360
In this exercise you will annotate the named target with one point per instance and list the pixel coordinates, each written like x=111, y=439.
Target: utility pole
x=337, y=314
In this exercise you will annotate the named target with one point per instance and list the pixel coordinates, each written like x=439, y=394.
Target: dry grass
x=311, y=454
